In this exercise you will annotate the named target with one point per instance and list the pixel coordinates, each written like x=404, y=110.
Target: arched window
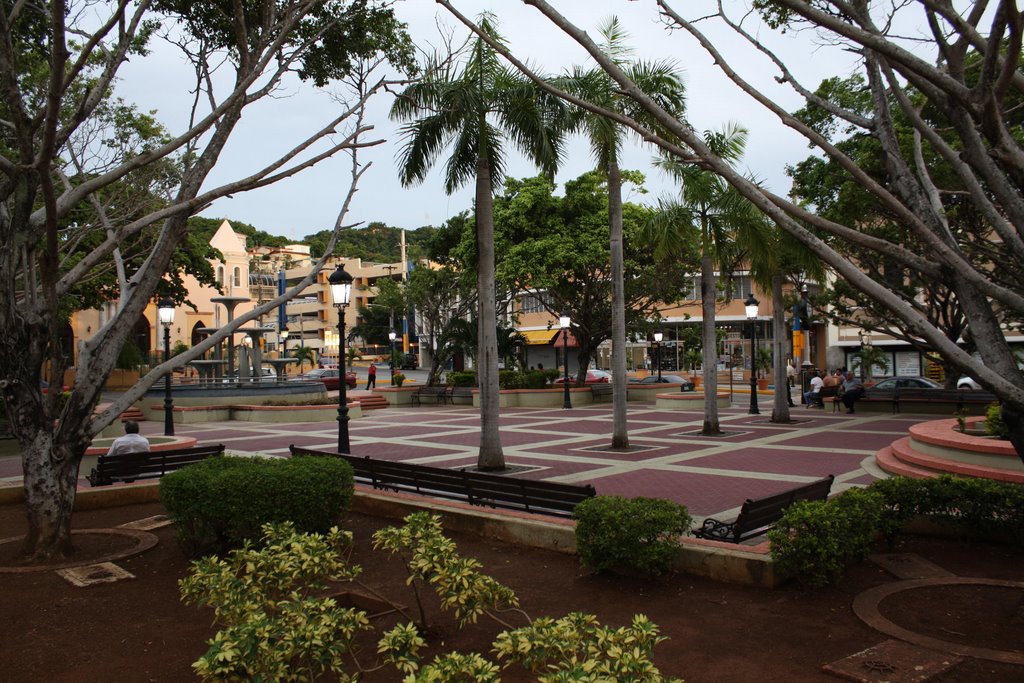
x=220, y=275
x=238, y=277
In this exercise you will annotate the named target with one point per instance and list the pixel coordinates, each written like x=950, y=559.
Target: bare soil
x=138, y=630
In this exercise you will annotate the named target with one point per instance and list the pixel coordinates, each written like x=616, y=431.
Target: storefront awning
x=538, y=337
x=559, y=340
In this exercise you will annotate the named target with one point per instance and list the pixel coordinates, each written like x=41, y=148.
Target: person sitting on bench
x=131, y=442
x=851, y=391
x=813, y=396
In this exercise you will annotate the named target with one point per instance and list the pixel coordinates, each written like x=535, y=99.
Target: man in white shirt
x=131, y=442
x=813, y=395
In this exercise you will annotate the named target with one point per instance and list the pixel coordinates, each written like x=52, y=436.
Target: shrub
x=637, y=534
x=994, y=424
x=398, y=378
x=511, y=379
x=536, y=379
x=220, y=503
x=815, y=540
x=466, y=378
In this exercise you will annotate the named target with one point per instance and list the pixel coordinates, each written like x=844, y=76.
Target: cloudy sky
x=311, y=202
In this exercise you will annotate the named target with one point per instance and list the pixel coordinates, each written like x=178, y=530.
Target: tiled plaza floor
x=669, y=458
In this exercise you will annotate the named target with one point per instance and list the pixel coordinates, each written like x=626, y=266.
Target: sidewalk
x=668, y=457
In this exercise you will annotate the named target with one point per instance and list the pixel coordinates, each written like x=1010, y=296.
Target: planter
x=762, y=384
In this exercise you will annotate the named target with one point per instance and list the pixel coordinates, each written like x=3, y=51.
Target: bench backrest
x=110, y=468
x=760, y=514
x=477, y=488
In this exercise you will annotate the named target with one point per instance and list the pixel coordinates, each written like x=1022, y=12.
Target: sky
x=311, y=202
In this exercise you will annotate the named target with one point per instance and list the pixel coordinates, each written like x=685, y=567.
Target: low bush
x=536, y=379
x=220, y=503
x=465, y=378
x=511, y=379
x=815, y=540
x=635, y=534
x=994, y=424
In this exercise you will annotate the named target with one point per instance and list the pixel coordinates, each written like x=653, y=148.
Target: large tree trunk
x=491, y=456
x=780, y=407
x=710, y=346
x=620, y=434
x=50, y=480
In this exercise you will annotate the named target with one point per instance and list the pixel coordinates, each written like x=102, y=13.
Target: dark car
x=894, y=383
x=329, y=377
x=685, y=383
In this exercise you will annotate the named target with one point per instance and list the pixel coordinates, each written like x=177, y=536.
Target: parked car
x=408, y=361
x=268, y=374
x=593, y=377
x=685, y=382
x=966, y=382
x=894, y=383
x=329, y=377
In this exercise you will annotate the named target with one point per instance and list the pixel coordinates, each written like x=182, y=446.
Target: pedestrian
x=851, y=391
x=813, y=395
x=790, y=381
x=131, y=442
x=371, y=377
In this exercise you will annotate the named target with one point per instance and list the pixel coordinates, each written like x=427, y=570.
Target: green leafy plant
x=398, y=378
x=536, y=379
x=961, y=420
x=635, y=534
x=220, y=503
x=511, y=379
x=463, y=378
x=994, y=424
x=764, y=359
x=816, y=540
x=274, y=623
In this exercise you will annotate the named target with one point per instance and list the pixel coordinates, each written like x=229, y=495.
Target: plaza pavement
x=668, y=457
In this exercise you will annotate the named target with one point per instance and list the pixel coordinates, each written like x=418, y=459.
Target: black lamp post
x=165, y=312
x=563, y=322
x=392, y=335
x=341, y=291
x=751, y=305
x=658, y=336
x=283, y=334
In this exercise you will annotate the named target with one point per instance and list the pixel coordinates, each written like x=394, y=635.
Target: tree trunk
x=620, y=434
x=780, y=407
x=491, y=456
x=710, y=351
x=51, y=478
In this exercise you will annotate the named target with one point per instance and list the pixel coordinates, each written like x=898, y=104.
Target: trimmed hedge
x=220, y=503
x=635, y=534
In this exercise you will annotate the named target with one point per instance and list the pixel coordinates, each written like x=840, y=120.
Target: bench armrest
x=714, y=530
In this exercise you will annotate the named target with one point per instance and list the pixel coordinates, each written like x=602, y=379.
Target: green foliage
x=456, y=667
x=275, y=624
x=638, y=534
x=975, y=507
x=465, y=378
x=994, y=423
x=220, y=503
x=304, y=354
x=179, y=348
x=432, y=559
x=764, y=359
x=398, y=378
x=872, y=357
x=130, y=358
x=816, y=540
x=539, y=379
x=511, y=379
x=577, y=648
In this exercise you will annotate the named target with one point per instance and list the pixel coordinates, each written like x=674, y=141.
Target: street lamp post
x=563, y=322
x=392, y=335
x=865, y=343
x=658, y=336
x=751, y=306
x=341, y=291
x=283, y=334
x=165, y=312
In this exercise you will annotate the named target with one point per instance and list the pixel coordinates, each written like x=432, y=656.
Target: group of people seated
x=849, y=389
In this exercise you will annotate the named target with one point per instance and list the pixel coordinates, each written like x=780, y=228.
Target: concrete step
x=133, y=414
x=371, y=402
x=889, y=462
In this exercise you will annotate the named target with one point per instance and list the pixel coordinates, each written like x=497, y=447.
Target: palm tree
x=475, y=107
x=303, y=354
x=717, y=213
x=664, y=83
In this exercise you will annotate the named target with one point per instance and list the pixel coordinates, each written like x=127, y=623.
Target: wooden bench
x=600, y=389
x=759, y=515
x=476, y=488
x=441, y=395
x=957, y=399
x=128, y=467
x=831, y=392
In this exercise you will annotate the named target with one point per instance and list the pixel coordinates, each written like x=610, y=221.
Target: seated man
x=813, y=396
x=851, y=391
x=131, y=442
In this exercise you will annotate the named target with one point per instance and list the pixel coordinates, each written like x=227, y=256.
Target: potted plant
x=692, y=360
x=398, y=379
x=763, y=363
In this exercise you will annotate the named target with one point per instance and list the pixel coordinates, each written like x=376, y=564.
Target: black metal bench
x=759, y=515
x=441, y=395
x=600, y=389
x=476, y=488
x=957, y=399
x=128, y=467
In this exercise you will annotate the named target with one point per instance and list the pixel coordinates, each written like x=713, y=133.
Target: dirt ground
x=138, y=630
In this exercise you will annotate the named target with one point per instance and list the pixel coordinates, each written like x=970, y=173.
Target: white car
x=966, y=382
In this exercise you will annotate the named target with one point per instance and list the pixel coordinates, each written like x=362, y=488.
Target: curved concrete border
x=866, y=606
x=166, y=443
x=937, y=447
x=143, y=542
x=689, y=400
